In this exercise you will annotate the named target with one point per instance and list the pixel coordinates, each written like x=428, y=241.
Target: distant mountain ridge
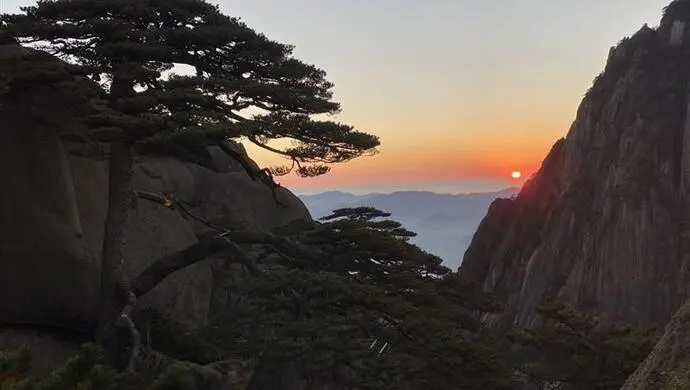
x=444, y=223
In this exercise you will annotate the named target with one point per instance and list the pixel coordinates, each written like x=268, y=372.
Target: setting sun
x=516, y=174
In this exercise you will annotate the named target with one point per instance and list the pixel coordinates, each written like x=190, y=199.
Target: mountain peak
x=677, y=10
x=603, y=223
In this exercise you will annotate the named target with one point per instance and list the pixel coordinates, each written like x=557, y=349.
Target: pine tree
x=578, y=350
x=84, y=372
x=366, y=309
x=129, y=48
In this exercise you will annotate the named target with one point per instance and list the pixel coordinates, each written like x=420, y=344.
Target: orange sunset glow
x=475, y=91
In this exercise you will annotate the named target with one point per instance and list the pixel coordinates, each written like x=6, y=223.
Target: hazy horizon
x=460, y=92
x=452, y=188
x=444, y=224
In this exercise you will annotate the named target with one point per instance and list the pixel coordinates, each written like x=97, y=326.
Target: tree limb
x=242, y=160
x=204, y=221
x=156, y=198
x=126, y=321
x=256, y=142
x=163, y=267
x=286, y=246
x=153, y=364
x=177, y=204
x=261, y=174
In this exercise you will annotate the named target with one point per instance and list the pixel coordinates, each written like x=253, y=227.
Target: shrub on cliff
x=365, y=308
x=577, y=349
x=346, y=302
x=84, y=372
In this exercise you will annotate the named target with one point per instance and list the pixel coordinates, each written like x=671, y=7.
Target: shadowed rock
x=604, y=223
x=668, y=365
x=54, y=204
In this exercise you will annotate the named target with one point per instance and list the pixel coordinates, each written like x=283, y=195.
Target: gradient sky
x=460, y=92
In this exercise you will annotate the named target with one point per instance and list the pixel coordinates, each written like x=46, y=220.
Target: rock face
x=53, y=207
x=605, y=223
x=668, y=365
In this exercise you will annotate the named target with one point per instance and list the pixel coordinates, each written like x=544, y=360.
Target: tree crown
x=132, y=49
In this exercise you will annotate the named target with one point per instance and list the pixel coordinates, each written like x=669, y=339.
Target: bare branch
x=260, y=174
x=173, y=203
x=153, y=364
x=286, y=247
x=256, y=142
x=198, y=218
x=126, y=321
x=241, y=159
x=157, y=198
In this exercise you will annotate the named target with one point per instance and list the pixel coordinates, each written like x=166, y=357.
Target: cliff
x=667, y=367
x=604, y=223
x=53, y=204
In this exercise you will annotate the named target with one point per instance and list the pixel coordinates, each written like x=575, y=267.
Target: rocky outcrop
x=53, y=206
x=604, y=223
x=668, y=365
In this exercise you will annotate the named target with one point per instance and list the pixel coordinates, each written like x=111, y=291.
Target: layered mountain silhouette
x=444, y=223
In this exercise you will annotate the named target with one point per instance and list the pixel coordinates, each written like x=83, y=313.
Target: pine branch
x=286, y=246
x=155, y=364
x=165, y=266
x=264, y=175
x=126, y=320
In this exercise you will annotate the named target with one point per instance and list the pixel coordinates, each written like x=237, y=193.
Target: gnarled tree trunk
x=121, y=198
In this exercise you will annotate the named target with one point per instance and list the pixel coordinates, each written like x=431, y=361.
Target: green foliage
x=368, y=303
x=84, y=372
x=578, y=349
x=14, y=367
x=130, y=47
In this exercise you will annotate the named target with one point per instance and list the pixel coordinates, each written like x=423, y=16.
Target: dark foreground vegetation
x=346, y=302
